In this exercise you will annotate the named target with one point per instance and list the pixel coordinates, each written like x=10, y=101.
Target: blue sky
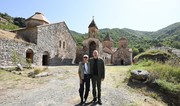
x=143, y=15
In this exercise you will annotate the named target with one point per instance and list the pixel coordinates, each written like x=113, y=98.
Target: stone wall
x=106, y=57
x=28, y=34
x=10, y=47
x=52, y=39
x=122, y=57
x=57, y=40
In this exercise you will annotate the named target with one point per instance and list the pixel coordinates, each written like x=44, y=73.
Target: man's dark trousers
x=85, y=81
x=96, y=81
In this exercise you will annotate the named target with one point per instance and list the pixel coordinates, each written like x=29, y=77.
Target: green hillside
x=144, y=34
x=8, y=26
x=171, y=30
x=141, y=40
x=10, y=23
x=169, y=36
x=134, y=41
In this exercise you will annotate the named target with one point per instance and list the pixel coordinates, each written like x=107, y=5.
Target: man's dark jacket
x=100, y=66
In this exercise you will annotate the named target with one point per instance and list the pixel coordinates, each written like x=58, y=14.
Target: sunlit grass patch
x=4, y=75
x=168, y=76
x=169, y=86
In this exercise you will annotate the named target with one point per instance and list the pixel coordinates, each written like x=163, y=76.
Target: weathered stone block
x=141, y=75
x=19, y=67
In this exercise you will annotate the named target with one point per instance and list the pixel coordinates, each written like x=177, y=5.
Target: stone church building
x=42, y=43
x=116, y=56
x=39, y=42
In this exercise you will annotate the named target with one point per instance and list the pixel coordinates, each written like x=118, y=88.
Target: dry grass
x=7, y=34
x=9, y=80
x=117, y=75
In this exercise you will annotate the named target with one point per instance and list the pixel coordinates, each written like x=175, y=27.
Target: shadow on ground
x=87, y=104
x=168, y=97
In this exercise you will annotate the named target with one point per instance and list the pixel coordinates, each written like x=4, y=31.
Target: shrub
x=19, y=59
x=37, y=71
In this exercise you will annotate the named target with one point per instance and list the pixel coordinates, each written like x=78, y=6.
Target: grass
x=38, y=70
x=168, y=77
x=4, y=75
x=154, y=52
x=8, y=26
x=169, y=86
x=117, y=75
x=8, y=80
x=153, y=55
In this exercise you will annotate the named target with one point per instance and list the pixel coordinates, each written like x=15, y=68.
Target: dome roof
x=38, y=16
x=123, y=38
x=107, y=38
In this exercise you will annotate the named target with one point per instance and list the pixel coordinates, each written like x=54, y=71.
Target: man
x=84, y=77
x=97, y=70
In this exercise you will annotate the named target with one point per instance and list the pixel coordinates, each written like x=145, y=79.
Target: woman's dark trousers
x=86, y=82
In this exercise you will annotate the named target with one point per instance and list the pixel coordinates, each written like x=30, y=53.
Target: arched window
x=64, y=45
x=60, y=44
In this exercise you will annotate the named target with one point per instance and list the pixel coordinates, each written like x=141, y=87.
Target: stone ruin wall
x=10, y=46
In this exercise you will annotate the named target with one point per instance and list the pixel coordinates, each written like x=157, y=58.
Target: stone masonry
x=9, y=47
x=60, y=45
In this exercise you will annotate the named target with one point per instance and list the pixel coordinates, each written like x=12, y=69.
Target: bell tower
x=93, y=30
x=92, y=42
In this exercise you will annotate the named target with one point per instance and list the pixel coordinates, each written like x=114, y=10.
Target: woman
x=84, y=77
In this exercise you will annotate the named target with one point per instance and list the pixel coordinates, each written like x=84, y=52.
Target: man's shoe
x=81, y=103
x=99, y=102
x=94, y=100
x=85, y=99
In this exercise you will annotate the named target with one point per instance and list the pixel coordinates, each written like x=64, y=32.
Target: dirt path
x=61, y=89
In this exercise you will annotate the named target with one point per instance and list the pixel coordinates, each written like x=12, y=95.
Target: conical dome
x=107, y=38
x=37, y=19
x=92, y=24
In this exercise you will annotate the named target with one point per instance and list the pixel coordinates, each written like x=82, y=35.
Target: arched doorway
x=92, y=47
x=122, y=62
x=29, y=56
x=45, y=58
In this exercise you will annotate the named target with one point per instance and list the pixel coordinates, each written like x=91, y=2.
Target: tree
x=135, y=51
x=19, y=21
